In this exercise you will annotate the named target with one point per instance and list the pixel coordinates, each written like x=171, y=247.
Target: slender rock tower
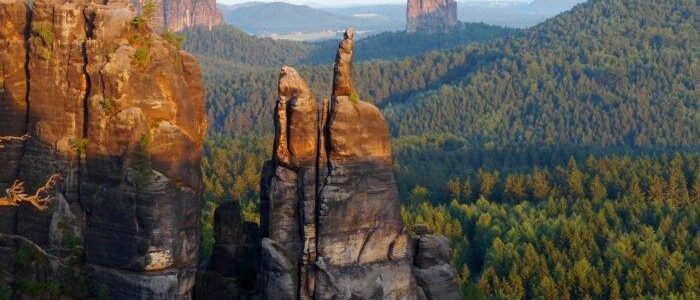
x=331, y=216
x=330, y=203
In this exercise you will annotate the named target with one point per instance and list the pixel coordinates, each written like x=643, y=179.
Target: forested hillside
x=612, y=228
x=609, y=73
x=231, y=45
x=561, y=160
x=241, y=70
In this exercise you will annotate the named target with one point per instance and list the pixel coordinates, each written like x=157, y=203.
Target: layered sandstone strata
x=434, y=16
x=118, y=113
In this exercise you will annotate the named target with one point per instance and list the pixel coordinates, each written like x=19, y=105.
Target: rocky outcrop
x=118, y=112
x=234, y=264
x=331, y=212
x=434, y=16
x=177, y=15
x=436, y=277
x=331, y=223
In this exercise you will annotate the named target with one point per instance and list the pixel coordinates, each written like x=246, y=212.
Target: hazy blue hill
x=512, y=14
x=228, y=45
x=283, y=18
x=280, y=17
x=396, y=14
x=502, y=13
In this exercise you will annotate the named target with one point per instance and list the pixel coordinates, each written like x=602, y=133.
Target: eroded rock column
x=362, y=249
x=331, y=212
x=142, y=184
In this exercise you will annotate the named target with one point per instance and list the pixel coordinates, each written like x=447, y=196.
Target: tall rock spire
x=332, y=220
x=331, y=216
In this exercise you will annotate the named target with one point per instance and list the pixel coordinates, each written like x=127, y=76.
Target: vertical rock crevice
x=93, y=102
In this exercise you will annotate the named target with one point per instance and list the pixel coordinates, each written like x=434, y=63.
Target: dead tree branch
x=16, y=194
x=13, y=138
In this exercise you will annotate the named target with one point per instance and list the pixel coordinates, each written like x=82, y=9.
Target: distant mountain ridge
x=260, y=18
x=281, y=18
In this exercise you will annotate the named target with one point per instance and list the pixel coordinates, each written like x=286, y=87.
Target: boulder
x=234, y=264
x=436, y=277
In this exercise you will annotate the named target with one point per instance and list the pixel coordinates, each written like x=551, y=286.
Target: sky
x=317, y=3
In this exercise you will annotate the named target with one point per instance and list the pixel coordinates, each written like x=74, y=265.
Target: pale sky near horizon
x=339, y=2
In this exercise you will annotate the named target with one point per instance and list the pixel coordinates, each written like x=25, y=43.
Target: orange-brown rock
x=118, y=112
x=434, y=16
x=13, y=85
x=177, y=15
x=331, y=212
x=331, y=223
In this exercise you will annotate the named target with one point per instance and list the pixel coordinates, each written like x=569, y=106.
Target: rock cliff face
x=435, y=16
x=176, y=15
x=118, y=113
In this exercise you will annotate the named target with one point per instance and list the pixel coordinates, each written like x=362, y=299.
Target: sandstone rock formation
x=176, y=15
x=118, y=112
x=330, y=206
x=434, y=16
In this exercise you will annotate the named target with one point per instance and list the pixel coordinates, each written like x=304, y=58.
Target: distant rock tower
x=434, y=16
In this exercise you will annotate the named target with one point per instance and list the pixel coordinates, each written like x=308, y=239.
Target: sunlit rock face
x=331, y=212
x=434, y=16
x=118, y=113
x=177, y=15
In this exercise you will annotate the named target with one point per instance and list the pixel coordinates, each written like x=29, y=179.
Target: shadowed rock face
x=124, y=133
x=235, y=260
x=435, y=276
x=435, y=16
x=177, y=15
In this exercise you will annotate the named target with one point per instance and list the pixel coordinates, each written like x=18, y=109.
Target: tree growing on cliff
x=41, y=199
x=16, y=194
